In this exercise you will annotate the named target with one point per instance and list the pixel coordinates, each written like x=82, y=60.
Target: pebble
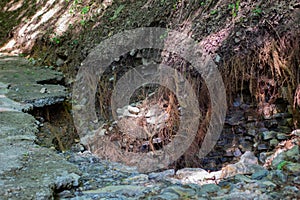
x=262, y=147
x=273, y=142
x=259, y=174
x=266, y=135
x=133, y=110
x=281, y=136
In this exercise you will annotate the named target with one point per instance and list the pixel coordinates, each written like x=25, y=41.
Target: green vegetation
x=55, y=40
x=282, y=164
x=234, y=8
x=117, y=12
x=257, y=11
x=213, y=12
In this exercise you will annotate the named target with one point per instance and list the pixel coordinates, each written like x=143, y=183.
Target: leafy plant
x=82, y=22
x=234, y=7
x=213, y=12
x=55, y=40
x=85, y=10
x=117, y=12
x=282, y=164
x=257, y=11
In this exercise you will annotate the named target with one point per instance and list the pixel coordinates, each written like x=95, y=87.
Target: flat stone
x=273, y=142
x=161, y=175
x=181, y=191
x=26, y=82
x=293, y=154
x=271, y=123
x=251, y=132
x=266, y=135
x=210, y=188
x=262, y=147
x=133, y=110
x=260, y=174
x=31, y=94
x=281, y=136
x=293, y=168
x=277, y=176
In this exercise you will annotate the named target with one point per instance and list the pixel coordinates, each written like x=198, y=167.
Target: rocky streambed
x=253, y=159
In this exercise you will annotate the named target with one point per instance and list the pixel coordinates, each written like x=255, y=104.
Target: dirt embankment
x=254, y=43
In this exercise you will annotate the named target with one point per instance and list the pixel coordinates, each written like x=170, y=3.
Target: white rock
x=133, y=110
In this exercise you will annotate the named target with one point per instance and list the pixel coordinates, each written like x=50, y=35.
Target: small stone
x=262, y=147
x=271, y=123
x=237, y=152
x=133, y=110
x=209, y=188
x=266, y=135
x=161, y=175
x=269, y=184
x=260, y=174
x=187, y=192
x=293, y=168
x=296, y=132
x=281, y=136
x=251, y=132
x=290, y=121
x=277, y=175
x=297, y=180
x=238, y=34
x=133, y=52
x=293, y=154
x=59, y=62
x=237, y=40
x=166, y=196
x=273, y=143
x=218, y=58
x=284, y=129
x=44, y=90
x=245, y=146
x=242, y=178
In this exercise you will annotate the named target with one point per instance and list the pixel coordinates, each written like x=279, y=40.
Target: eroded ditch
x=248, y=127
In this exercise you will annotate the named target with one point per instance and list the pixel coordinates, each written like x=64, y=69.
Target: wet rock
x=180, y=191
x=293, y=154
x=67, y=181
x=271, y=123
x=281, y=136
x=262, y=147
x=245, y=146
x=263, y=156
x=260, y=174
x=266, y=135
x=248, y=164
x=284, y=129
x=136, y=179
x=161, y=175
x=251, y=132
x=296, y=180
x=277, y=176
x=235, y=119
x=296, y=132
x=166, y=196
x=293, y=168
x=114, y=191
x=209, y=188
x=273, y=142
